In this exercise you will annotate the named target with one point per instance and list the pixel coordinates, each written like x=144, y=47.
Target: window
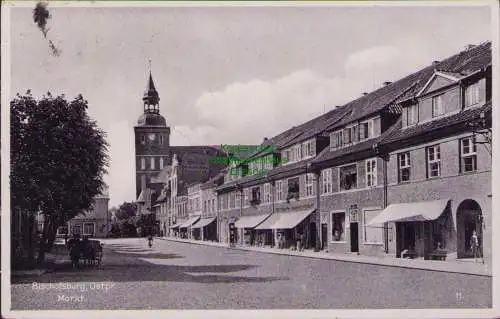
x=348, y=177
x=472, y=95
x=437, y=106
x=143, y=139
x=298, y=152
x=256, y=194
x=338, y=226
x=213, y=205
x=336, y=139
x=309, y=184
x=372, y=234
x=308, y=149
x=161, y=139
x=88, y=228
x=152, y=163
x=279, y=190
x=365, y=130
x=412, y=114
x=326, y=178
x=232, y=200
x=143, y=163
x=225, y=203
x=293, y=187
x=161, y=163
x=62, y=230
x=346, y=136
x=433, y=162
x=468, y=155
x=77, y=229
x=267, y=193
x=371, y=173
x=354, y=134
x=404, y=167
x=238, y=199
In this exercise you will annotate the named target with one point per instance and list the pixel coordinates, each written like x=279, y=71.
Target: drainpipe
x=385, y=159
x=317, y=247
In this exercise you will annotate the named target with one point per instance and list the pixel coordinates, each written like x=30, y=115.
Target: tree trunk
x=47, y=221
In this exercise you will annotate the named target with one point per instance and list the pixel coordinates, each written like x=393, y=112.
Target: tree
x=58, y=159
x=126, y=210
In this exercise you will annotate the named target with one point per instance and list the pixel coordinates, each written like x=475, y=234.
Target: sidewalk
x=52, y=260
x=454, y=266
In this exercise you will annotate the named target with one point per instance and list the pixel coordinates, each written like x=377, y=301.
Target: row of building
x=404, y=170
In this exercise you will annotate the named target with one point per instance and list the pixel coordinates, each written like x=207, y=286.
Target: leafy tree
x=126, y=210
x=58, y=158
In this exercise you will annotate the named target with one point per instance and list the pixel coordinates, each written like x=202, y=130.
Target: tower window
x=143, y=138
x=152, y=163
x=161, y=139
x=161, y=162
x=143, y=163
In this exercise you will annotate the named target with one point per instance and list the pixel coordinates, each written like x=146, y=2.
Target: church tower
x=152, y=139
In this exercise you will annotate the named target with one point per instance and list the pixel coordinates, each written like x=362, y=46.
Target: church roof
x=151, y=96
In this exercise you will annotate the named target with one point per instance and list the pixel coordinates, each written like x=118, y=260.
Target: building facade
x=404, y=170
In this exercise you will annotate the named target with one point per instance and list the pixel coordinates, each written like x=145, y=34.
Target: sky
x=227, y=74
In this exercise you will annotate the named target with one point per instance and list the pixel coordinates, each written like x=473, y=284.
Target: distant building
x=93, y=223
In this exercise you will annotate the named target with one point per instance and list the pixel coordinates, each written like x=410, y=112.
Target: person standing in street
x=474, y=241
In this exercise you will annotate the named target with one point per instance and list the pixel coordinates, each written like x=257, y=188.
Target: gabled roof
x=428, y=130
x=352, y=152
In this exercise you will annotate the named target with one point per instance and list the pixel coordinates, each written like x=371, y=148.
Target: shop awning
x=190, y=222
x=174, y=226
x=411, y=212
x=203, y=222
x=250, y=221
x=285, y=220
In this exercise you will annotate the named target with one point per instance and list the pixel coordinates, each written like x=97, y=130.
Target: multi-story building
x=95, y=222
x=163, y=171
x=439, y=160
x=372, y=169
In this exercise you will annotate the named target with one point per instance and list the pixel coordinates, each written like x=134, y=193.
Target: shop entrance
x=354, y=237
x=313, y=235
x=469, y=219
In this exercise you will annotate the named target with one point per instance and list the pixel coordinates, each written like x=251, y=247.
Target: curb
x=333, y=257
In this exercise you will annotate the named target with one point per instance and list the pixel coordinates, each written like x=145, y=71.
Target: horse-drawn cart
x=90, y=251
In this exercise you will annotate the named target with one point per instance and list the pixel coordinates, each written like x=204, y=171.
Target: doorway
x=313, y=235
x=354, y=237
x=469, y=219
x=324, y=235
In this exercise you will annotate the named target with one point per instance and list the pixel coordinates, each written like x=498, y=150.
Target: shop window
x=348, y=177
x=404, y=167
x=338, y=226
x=326, y=178
x=372, y=234
x=371, y=173
x=468, y=155
x=433, y=161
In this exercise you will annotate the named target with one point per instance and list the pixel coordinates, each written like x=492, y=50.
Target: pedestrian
x=475, y=245
x=150, y=241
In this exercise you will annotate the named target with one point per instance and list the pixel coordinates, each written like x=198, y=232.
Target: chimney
x=469, y=46
x=265, y=139
x=435, y=62
x=364, y=93
x=386, y=83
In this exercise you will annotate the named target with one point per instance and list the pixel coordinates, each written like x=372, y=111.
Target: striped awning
x=411, y=212
x=203, y=222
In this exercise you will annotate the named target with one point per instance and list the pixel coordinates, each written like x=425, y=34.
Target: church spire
x=151, y=98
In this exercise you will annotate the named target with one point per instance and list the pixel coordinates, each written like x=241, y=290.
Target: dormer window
x=472, y=95
x=336, y=139
x=412, y=114
x=437, y=106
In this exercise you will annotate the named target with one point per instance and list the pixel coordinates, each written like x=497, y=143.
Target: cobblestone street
x=175, y=275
